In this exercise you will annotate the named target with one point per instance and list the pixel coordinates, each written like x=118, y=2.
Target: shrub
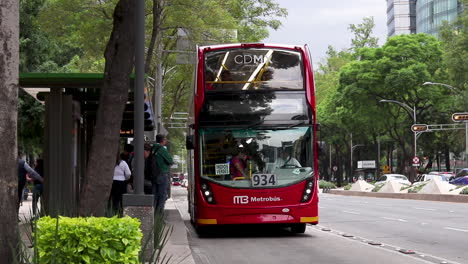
x=326, y=184
x=378, y=187
x=464, y=191
x=416, y=188
x=88, y=240
x=348, y=186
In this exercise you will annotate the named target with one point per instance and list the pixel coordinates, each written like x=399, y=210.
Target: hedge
x=88, y=240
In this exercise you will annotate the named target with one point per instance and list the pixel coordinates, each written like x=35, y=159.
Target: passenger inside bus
x=209, y=78
x=226, y=81
x=286, y=160
x=238, y=165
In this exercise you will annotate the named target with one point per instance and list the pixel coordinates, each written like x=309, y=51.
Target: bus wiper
x=256, y=124
x=288, y=127
x=297, y=124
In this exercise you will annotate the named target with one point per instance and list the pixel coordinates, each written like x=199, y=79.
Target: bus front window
x=263, y=158
x=254, y=69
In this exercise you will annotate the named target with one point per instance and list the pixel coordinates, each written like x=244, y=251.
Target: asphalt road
x=432, y=228
x=352, y=230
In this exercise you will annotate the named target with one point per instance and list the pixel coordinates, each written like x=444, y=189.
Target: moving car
x=175, y=180
x=400, y=178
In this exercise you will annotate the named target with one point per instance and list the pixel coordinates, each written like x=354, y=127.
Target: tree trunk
x=158, y=8
x=9, y=65
x=119, y=56
x=447, y=158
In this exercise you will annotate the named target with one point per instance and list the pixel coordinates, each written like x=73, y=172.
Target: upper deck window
x=251, y=69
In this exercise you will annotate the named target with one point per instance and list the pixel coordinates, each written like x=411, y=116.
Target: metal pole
x=414, y=122
x=351, y=165
x=415, y=143
x=330, y=165
x=158, y=87
x=378, y=160
x=139, y=95
x=466, y=144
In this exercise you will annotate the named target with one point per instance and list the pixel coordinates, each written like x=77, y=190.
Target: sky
x=320, y=23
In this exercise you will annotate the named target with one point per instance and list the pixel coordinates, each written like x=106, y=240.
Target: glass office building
x=431, y=14
x=401, y=17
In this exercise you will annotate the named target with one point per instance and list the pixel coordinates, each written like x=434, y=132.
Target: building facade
x=401, y=17
x=420, y=16
x=432, y=13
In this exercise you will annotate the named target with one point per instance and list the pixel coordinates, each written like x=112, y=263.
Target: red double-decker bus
x=252, y=137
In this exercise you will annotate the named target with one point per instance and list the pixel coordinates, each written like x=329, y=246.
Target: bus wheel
x=202, y=231
x=298, y=228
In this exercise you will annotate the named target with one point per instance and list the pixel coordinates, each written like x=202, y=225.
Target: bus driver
x=286, y=159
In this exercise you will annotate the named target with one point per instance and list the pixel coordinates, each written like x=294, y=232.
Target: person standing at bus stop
x=163, y=161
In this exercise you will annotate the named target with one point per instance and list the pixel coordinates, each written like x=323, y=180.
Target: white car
x=184, y=183
x=430, y=176
x=396, y=177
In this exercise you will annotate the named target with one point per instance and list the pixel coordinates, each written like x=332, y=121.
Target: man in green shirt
x=163, y=162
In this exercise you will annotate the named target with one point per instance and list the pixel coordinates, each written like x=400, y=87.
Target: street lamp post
x=351, y=158
x=466, y=123
x=441, y=84
x=412, y=112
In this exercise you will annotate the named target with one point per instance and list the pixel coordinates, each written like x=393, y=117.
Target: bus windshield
x=253, y=69
x=268, y=158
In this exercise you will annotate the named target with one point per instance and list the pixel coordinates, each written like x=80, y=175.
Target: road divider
x=413, y=196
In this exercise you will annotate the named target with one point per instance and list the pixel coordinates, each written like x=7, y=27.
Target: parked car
x=461, y=178
x=396, y=177
x=430, y=176
x=447, y=174
x=184, y=183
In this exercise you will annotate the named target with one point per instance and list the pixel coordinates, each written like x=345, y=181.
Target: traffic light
x=419, y=128
x=460, y=117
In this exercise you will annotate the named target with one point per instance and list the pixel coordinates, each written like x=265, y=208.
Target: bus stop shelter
x=71, y=102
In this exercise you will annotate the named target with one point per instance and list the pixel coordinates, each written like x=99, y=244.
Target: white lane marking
x=349, y=212
x=427, y=209
x=456, y=229
x=321, y=207
x=383, y=204
x=394, y=219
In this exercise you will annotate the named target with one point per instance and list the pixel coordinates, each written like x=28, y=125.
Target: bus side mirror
x=189, y=142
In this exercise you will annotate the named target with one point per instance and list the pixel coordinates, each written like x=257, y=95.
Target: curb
x=453, y=198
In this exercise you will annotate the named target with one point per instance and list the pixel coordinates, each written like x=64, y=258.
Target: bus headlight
x=307, y=194
x=207, y=193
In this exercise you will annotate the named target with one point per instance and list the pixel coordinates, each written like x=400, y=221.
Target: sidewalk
x=177, y=247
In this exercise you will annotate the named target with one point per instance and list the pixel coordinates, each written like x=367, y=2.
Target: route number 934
x=263, y=180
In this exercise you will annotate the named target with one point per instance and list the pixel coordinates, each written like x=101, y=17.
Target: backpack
x=155, y=171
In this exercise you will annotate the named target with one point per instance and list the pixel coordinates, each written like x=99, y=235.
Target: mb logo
x=241, y=199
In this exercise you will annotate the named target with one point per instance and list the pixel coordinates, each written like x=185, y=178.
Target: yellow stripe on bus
x=309, y=219
x=207, y=221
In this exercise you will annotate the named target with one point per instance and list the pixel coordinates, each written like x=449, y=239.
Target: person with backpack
x=23, y=169
x=163, y=161
x=151, y=171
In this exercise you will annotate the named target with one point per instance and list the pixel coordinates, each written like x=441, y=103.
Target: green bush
x=416, y=188
x=326, y=184
x=464, y=191
x=378, y=187
x=88, y=240
x=347, y=187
